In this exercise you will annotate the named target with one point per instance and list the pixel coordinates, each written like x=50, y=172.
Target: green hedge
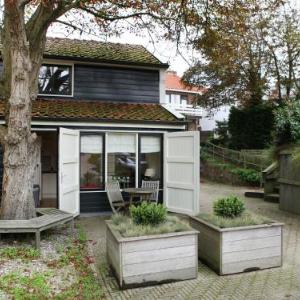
x=251, y=128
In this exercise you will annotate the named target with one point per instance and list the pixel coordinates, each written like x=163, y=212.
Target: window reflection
x=55, y=80
x=151, y=157
x=91, y=162
x=121, y=159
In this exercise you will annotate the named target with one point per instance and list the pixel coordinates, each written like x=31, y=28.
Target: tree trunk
x=20, y=145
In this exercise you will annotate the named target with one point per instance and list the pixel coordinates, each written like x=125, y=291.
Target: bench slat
x=51, y=217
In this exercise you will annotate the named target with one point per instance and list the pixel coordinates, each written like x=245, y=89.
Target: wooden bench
x=49, y=217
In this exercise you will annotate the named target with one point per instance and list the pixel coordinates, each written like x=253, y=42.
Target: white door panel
x=69, y=170
x=182, y=172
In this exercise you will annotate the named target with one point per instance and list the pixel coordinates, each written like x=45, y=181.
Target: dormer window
x=55, y=80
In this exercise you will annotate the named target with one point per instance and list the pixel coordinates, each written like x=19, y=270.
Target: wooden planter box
x=239, y=249
x=150, y=260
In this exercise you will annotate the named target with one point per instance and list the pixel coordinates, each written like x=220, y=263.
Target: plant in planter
x=234, y=240
x=150, y=247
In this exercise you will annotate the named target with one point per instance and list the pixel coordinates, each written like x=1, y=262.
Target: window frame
x=61, y=64
x=136, y=139
x=83, y=133
x=161, y=136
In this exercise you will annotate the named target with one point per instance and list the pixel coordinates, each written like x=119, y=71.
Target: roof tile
x=100, y=51
x=81, y=110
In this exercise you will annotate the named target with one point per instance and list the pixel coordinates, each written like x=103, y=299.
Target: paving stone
x=272, y=284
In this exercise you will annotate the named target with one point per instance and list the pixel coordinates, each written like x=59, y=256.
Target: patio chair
x=152, y=185
x=115, y=197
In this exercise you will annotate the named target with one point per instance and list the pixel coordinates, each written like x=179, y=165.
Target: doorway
x=46, y=178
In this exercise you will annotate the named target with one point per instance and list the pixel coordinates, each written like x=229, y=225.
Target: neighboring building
x=181, y=99
x=209, y=120
x=100, y=117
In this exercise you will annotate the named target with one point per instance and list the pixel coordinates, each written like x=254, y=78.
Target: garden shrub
x=251, y=127
x=148, y=213
x=287, y=123
x=247, y=218
x=127, y=228
x=229, y=207
x=247, y=175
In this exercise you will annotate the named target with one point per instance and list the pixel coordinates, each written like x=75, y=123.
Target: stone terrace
x=275, y=284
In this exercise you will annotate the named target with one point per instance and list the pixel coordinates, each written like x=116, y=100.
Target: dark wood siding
x=98, y=202
x=94, y=202
x=116, y=84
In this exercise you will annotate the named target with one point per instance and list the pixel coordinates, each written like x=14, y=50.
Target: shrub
x=287, y=123
x=251, y=127
x=247, y=218
x=229, y=207
x=148, y=213
x=127, y=228
x=247, y=175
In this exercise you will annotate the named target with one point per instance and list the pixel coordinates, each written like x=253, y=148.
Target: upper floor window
x=55, y=80
x=177, y=99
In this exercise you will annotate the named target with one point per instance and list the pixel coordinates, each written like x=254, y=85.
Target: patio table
x=138, y=192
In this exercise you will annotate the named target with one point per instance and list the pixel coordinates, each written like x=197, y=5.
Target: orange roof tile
x=173, y=82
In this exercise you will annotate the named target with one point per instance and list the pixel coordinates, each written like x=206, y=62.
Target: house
x=100, y=117
x=181, y=98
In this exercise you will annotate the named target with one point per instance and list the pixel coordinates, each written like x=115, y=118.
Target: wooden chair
x=115, y=197
x=152, y=185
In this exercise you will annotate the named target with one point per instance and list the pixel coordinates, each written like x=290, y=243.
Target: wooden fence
x=245, y=159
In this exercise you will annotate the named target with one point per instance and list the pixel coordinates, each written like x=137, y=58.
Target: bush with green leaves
x=230, y=207
x=148, y=213
x=251, y=127
x=287, y=123
x=247, y=175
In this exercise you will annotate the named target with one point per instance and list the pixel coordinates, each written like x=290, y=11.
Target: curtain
x=91, y=144
x=121, y=143
x=150, y=144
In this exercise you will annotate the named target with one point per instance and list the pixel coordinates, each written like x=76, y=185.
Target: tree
x=283, y=42
x=287, y=123
x=236, y=60
x=23, y=35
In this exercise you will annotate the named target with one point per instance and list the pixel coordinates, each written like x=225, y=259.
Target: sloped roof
x=81, y=110
x=102, y=52
x=173, y=82
x=90, y=50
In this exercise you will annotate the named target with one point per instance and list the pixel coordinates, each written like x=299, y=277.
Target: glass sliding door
x=91, y=162
x=121, y=158
x=151, y=158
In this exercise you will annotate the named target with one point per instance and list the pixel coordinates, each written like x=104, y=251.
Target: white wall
x=208, y=121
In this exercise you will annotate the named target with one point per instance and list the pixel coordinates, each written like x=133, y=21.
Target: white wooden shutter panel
x=182, y=172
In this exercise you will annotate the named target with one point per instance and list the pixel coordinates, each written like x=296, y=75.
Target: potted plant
x=234, y=240
x=149, y=247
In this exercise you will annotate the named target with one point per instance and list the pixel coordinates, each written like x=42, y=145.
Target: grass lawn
x=61, y=270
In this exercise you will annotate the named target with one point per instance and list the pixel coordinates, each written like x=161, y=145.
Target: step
x=254, y=194
x=274, y=198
